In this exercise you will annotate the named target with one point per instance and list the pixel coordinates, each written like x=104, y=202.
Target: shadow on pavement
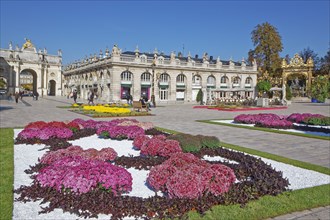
x=2, y=108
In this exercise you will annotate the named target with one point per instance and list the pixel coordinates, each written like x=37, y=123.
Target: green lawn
x=7, y=172
x=266, y=207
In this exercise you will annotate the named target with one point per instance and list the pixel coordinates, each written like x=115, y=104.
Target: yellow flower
x=104, y=109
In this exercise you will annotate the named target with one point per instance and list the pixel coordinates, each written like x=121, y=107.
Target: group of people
x=19, y=95
x=90, y=96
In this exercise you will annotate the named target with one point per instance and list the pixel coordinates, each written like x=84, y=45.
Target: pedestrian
x=37, y=95
x=128, y=98
x=74, y=95
x=17, y=95
x=21, y=94
x=91, y=98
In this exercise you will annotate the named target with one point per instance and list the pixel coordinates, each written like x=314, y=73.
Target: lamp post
x=153, y=84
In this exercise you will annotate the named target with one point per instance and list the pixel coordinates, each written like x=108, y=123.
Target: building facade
x=170, y=79
x=26, y=65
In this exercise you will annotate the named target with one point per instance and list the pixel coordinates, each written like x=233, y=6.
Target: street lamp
x=153, y=84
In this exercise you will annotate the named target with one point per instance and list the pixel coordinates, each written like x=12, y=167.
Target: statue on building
x=115, y=50
x=172, y=56
x=59, y=52
x=10, y=45
x=27, y=44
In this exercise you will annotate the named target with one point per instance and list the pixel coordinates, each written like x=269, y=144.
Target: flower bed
x=85, y=183
x=106, y=110
x=286, y=122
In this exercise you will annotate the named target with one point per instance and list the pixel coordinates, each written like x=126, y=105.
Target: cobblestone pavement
x=183, y=118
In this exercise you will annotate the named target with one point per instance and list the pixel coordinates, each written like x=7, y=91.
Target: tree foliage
x=199, y=97
x=3, y=83
x=320, y=88
x=324, y=65
x=268, y=45
x=307, y=53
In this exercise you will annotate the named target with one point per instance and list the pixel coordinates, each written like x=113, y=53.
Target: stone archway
x=298, y=75
x=52, y=87
x=28, y=80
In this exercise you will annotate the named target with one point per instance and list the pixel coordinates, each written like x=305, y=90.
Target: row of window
x=146, y=77
x=164, y=77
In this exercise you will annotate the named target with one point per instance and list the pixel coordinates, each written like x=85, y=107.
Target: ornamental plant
x=104, y=154
x=139, y=141
x=317, y=120
x=158, y=146
x=80, y=175
x=185, y=176
x=120, y=132
x=300, y=117
x=274, y=123
x=45, y=133
x=111, y=110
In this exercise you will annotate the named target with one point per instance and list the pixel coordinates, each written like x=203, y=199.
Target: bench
x=137, y=105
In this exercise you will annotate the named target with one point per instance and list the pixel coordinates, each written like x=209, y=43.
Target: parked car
x=28, y=93
x=3, y=91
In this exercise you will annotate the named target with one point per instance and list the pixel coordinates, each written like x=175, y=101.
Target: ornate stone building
x=26, y=65
x=170, y=79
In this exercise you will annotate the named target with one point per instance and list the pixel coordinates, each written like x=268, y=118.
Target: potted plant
x=263, y=88
x=199, y=97
x=319, y=89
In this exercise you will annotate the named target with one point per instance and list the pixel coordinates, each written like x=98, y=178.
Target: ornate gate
x=298, y=75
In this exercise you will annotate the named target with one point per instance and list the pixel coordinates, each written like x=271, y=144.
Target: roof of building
x=185, y=59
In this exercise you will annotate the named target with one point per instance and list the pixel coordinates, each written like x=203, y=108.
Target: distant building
x=170, y=78
x=26, y=65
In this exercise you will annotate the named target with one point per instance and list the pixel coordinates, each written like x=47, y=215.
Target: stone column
x=189, y=87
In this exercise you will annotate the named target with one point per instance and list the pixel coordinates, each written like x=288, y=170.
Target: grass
x=7, y=172
x=265, y=129
x=265, y=207
x=271, y=206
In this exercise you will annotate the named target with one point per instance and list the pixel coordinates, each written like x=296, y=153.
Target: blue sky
x=220, y=28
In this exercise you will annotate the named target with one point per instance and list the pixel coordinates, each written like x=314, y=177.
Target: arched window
x=126, y=76
x=248, y=80
x=164, y=77
x=197, y=80
x=236, y=80
x=211, y=80
x=180, y=78
x=224, y=79
x=146, y=77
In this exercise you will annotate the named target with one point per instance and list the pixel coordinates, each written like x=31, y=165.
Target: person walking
x=37, y=95
x=17, y=95
x=91, y=98
x=74, y=95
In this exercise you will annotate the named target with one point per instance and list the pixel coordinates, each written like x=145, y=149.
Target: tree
x=324, y=65
x=3, y=83
x=268, y=45
x=307, y=53
x=199, y=97
x=320, y=88
x=263, y=86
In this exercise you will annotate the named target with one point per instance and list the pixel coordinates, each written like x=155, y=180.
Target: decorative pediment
x=296, y=61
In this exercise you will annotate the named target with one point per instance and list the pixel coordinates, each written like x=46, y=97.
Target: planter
x=262, y=102
x=314, y=100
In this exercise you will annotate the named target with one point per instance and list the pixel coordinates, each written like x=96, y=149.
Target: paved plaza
x=183, y=118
